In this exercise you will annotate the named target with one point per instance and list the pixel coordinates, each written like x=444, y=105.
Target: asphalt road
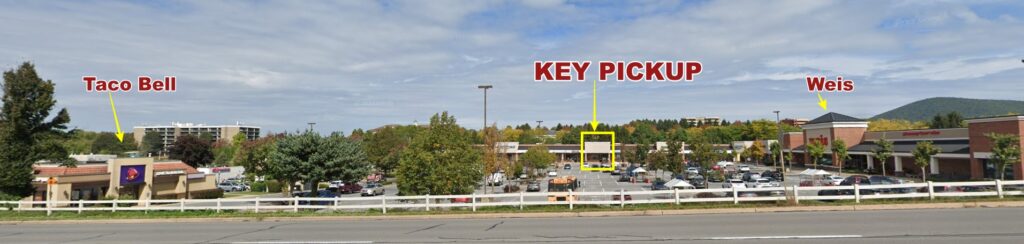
x=994, y=225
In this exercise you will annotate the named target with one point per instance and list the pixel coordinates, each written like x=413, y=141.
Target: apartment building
x=169, y=133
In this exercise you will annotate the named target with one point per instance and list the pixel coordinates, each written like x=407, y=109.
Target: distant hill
x=968, y=108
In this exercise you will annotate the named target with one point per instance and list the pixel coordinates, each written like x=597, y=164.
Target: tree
x=1005, y=151
x=441, y=160
x=384, y=149
x=224, y=152
x=950, y=120
x=107, y=143
x=25, y=134
x=494, y=155
x=657, y=161
x=191, y=150
x=816, y=150
x=152, y=144
x=789, y=158
x=923, y=153
x=895, y=124
x=674, y=157
x=255, y=155
x=840, y=153
x=537, y=157
x=311, y=159
x=882, y=152
x=776, y=150
x=756, y=151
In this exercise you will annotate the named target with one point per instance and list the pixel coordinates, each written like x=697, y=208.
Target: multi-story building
x=694, y=121
x=169, y=133
x=795, y=122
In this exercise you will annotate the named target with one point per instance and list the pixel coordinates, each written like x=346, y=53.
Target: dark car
x=347, y=187
x=320, y=194
x=627, y=197
x=567, y=167
x=623, y=178
x=777, y=175
x=617, y=172
x=698, y=182
x=866, y=180
x=533, y=186
x=658, y=184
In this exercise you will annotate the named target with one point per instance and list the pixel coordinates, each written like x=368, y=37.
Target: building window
x=991, y=170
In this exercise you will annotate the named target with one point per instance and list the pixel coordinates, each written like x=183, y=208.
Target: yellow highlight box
x=583, y=154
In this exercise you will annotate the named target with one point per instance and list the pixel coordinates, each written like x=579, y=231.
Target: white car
x=552, y=174
x=372, y=189
x=834, y=180
x=744, y=168
x=693, y=170
x=734, y=183
x=762, y=183
x=723, y=164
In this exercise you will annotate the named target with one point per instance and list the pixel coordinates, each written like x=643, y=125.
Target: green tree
x=224, y=152
x=255, y=155
x=923, y=153
x=882, y=152
x=107, y=143
x=674, y=157
x=191, y=150
x=152, y=144
x=79, y=141
x=756, y=151
x=816, y=150
x=441, y=160
x=537, y=157
x=776, y=150
x=27, y=131
x=1005, y=151
x=950, y=120
x=840, y=153
x=311, y=159
x=384, y=149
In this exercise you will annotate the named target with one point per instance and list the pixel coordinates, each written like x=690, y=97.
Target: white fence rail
x=930, y=190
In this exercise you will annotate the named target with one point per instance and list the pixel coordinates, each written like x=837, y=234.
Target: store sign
x=196, y=176
x=922, y=133
x=170, y=172
x=133, y=174
x=221, y=170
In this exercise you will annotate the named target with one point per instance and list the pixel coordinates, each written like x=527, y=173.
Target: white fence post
x=218, y=205
x=113, y=207
x=181, y=205
x=426, y=201
x=856, y=193
x=147, y=207
x=384, y=204
x=569, y=199
x=676, y=191
x=735, y=196
x=295, y=203
x=336, y=202
x=257, y=209
x=999, y=188
x=622, y=198
x=473, y=203
x=931, y=190
x=49, y=203
x=81, y=205
x=796, y=193
x=522, y=199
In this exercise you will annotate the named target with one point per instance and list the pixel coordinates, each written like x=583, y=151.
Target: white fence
x=930, y=190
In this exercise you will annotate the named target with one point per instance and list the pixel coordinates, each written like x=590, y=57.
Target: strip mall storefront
x=128, y=178
x=965, y=151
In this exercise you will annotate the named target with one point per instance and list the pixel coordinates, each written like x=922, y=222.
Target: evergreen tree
x=27, y=131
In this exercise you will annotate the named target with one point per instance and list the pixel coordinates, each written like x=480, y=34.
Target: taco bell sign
x=133, y=174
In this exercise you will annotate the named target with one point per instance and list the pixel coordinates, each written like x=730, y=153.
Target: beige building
x=169, y=133
x=123, y=178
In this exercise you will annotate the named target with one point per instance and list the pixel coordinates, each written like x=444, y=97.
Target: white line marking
x=290, y=242
x=784, y=237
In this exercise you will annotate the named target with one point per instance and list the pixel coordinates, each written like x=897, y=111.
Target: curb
x=616, y=213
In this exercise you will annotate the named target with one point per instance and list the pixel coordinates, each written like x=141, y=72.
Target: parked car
x=716, y=177
x=523, y=176
x=533, y=186
x=619, y=198
x=552, y=174
x=345, y=187
x=321, y=194
x=777, y=175
x=567, y=166
x=751, y=176
x=228, y=187
x=834, y=180
x=744, y=168
x=866, y=180
x=762, y=183
x=623, y=178
x=731, y=183
x=617, y=172
x=373, y=189
x=693, y=170
x=658, y=184
x=698, y=182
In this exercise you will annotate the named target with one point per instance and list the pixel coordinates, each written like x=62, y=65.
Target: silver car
x=372, y=189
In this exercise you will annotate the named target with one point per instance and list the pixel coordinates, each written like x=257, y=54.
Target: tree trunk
x=883, y=167
x=923, y=175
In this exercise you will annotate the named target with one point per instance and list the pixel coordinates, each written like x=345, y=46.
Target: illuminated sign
x=133, y=174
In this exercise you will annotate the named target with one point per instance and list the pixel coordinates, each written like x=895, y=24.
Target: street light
x=311, y=126
x=538, y=123
x=778, y=124
x=485, y=87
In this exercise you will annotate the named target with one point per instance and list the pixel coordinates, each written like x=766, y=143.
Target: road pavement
x=978, y=225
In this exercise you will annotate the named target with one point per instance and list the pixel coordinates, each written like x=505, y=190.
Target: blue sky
x=361, y=64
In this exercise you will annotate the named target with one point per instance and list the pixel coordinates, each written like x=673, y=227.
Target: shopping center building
x=965, y=151
x=123, y=178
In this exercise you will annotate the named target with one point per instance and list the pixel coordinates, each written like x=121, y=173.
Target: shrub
x=8, y=197
x=120, y=198
x=274, y=186
x=259, y=186
x=208, y=194
x=322, y=186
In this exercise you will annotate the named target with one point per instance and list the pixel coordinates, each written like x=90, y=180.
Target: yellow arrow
x=120, y=134
x=822, y=102
x=593, y=120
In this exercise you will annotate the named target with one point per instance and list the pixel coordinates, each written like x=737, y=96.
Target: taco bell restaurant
x=965, y=151
x=121, y=178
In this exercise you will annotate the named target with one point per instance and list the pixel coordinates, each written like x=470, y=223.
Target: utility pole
x=778, y=124
x=311, y=126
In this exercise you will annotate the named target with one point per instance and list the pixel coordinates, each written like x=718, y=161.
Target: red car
x=346, y=187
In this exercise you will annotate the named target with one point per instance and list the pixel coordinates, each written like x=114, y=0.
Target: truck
x=562, y=184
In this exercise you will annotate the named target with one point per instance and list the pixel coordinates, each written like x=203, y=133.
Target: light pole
x=538, y=123
x=311, y=126
x=484, y=130
x=778, y=124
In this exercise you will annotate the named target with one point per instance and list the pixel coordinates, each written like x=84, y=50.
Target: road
x=990, y=225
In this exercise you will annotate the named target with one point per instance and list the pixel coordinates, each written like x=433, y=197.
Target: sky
x=363, y=64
